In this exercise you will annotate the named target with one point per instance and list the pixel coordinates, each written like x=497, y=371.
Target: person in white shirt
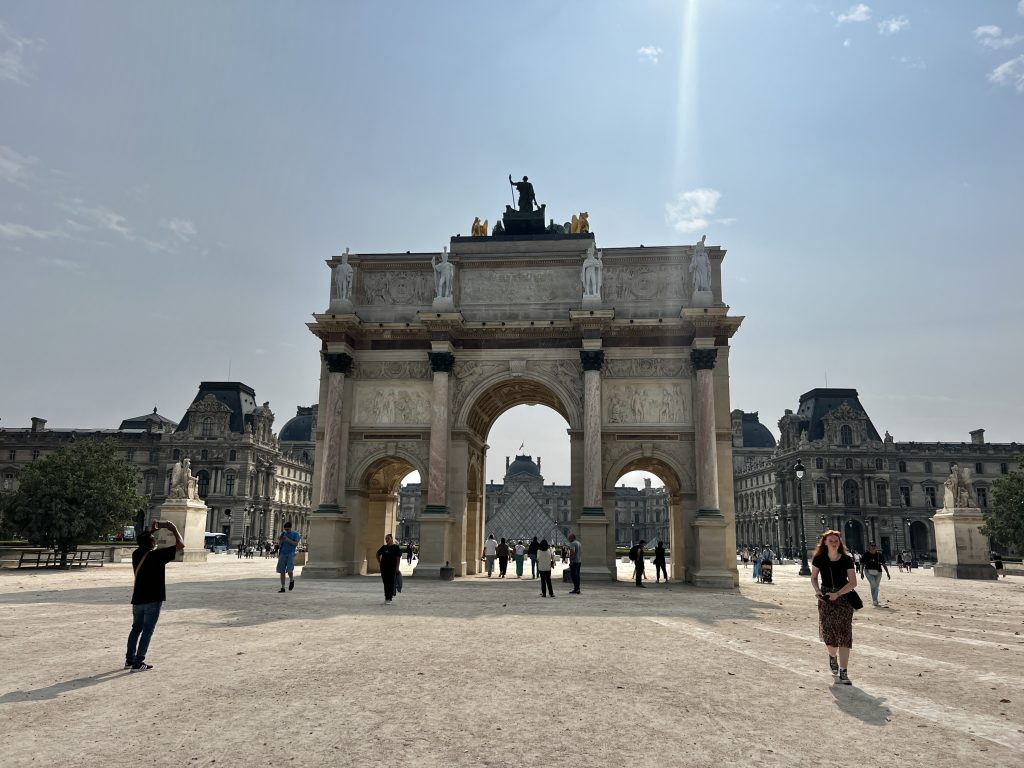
x=490, y=550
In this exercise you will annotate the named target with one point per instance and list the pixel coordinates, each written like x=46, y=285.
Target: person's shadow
x=860, y=704
x=55, y=690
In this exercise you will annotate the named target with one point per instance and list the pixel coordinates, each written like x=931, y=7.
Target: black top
x=149, y=582
x=872, y=562
x=390, y=555
x=833, y=575
x=659, y=555
x=532, y=549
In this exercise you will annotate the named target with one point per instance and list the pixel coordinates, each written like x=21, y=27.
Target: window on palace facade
x=878, y=463
x=849, y=463
x=927, y=467
x=979, y=468
x=12, y=455
x=881, y=495
x=232, y=455
x=982, y=495
x=154, y=457
x=35, y=453
x=9, y=482
x=903, y=466
x=203, y=483
x=203, y=455
x=207, y=427
x=845, y=435
x=1004, y=468
x=150, y=482
x=175, y=454
x=929, y=493
x=819, y=463
x=905, y=495
x=851, y=493
x=819, y=490
x=129, y=455
x=229, y=485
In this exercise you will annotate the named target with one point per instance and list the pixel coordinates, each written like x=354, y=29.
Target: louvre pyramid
x=521, y=517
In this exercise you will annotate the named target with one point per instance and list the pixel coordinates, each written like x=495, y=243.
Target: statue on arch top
x=444, y=273
x=344, y=273
x=700, y=267
x=527, y=198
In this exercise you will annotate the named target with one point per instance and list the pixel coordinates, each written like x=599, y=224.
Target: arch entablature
x=492, y=396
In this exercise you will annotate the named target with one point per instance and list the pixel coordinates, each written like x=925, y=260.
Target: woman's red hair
x=822, y=547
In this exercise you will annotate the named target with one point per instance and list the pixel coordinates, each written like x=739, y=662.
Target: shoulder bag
x=851, y=597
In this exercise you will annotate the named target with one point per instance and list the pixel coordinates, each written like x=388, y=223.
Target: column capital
x=337, y=362
x=592, y=359
x=441, y=362
x=703, y=359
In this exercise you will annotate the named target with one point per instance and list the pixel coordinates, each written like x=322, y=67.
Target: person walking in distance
x=520, y=552
x=636, y=554
x=834, y=565
x=287, y=541
x=389, y=556
x=149, y=593
x=488, y=554
x=575, y=561
x=545, y=559
x=659, y=563
x=872, y=562
x=531, y=552
x=502, y=552
x=408, y=552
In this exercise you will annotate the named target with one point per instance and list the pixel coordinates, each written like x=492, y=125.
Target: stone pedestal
x=327, y=531
x=591, y=302
x=340, y=307
x=435, y=535
x=961, y=547
x=702, y=299
x=709, y=530
x=593, y=532
x=189, y=515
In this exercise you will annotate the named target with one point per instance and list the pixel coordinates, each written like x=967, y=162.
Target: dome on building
x=299, y=428
x=523, y=465
x=756, y=434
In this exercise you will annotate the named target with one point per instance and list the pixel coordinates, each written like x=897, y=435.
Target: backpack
x=632, y=553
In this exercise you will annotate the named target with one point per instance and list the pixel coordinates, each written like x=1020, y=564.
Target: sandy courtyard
x=485, y=672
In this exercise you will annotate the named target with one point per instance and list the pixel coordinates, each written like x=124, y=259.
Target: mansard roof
x=818, y=403
x=239, y=397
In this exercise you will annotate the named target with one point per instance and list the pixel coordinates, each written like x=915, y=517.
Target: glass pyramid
x=521, y=517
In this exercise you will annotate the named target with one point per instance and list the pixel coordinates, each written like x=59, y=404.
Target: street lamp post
x=910, y=547
x=805, y=569
x=778, y=539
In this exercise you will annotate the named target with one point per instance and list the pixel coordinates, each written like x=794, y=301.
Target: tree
x=1004, y=519
x=74, y=495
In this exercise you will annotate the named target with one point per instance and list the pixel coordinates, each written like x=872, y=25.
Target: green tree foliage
x=1004, y=519
x=72, y=496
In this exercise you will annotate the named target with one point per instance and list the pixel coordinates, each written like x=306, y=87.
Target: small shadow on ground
x=55, y=690
x=860, y=704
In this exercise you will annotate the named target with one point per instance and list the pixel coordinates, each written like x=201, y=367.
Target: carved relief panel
x=405, y=403
x=401, y=287
x=647, y=402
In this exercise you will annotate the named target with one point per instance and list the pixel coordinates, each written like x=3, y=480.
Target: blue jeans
x=874, y=579
x=574, y=574
x=145, y=617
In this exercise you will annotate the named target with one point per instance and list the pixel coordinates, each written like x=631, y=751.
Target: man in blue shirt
x=288, y=540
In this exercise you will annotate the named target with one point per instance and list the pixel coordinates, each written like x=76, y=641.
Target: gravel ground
x=485, y=672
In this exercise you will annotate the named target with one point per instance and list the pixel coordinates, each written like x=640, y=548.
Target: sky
x=174, y=174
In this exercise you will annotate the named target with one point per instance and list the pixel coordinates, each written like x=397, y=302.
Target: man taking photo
x=149, y=593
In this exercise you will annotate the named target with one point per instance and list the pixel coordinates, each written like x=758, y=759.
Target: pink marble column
x=335, y=439
x=437, y=483
x=592, y=361
x=703, y=360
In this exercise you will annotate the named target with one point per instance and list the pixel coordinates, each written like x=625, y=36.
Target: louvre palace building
x=868, y=486
x=251, y=479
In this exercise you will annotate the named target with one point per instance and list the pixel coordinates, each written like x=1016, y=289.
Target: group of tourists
x=758, y=556
x=541, y=555
x=266, y=549
x=637, y=554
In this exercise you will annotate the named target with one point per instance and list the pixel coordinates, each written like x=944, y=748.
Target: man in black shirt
x=531, y=552
x=148, y=594
x=872, y=562
x=389, y=556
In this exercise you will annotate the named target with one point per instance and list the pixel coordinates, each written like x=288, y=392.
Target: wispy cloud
x=857, y=13
x=649, y=53
x=14, y=167
x=692, y=210
x=1009, y=73
x=58, y=263
x=98, y=218
x=15, y=53
x=11, y=231
x=992, y=36
x=893, y=25
x=183, y=229
x=913, y=62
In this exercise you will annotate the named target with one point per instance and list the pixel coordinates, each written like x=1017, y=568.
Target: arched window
x=851, y=493
x=150, y=482
x=203, y=483
x=819, y=463
x=207, y=428
x=232, y=455
x=981, y=494
x=845, y=435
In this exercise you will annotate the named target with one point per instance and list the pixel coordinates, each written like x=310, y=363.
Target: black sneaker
x=142, y=667
x=291, y=585
x=128, y=665
x=833, y=664
x=281, y=589
x=844, y=679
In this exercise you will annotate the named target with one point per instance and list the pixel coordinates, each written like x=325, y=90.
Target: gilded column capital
x=592, y=359
x=703, y=358
x=441, y=362
x=337, y=362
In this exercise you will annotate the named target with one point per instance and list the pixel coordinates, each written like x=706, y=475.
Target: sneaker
x=281, y=589
x=844, y=678
x=128, y=665
x=291, y=585
x=142, y=667
x=833, y=664
x=387, y=602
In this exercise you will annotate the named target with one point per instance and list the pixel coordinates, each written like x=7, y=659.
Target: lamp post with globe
x=805, y=569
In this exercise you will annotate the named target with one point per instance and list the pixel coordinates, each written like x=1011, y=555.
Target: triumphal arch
x=421, y=352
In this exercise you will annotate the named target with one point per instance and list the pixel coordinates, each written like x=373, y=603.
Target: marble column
x=437, y=488
x=703, y=360
x=335, y=441
x=592, y=361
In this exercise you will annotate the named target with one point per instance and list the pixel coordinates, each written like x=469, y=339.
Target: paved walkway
x=484, y=672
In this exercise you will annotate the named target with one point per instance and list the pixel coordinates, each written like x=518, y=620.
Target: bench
x=48, y=558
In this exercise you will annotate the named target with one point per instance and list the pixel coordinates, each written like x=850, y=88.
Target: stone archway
x=853, y=535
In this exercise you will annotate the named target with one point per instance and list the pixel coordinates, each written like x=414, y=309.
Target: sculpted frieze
x=661, y=368
x=377, y=405
x=402, y=287
x=391, y=369
x=514, y=286
x=642, y=283
x=466, y=374
x=647, y=403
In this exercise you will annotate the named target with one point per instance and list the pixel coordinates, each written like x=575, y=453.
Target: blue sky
x=172, y=176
